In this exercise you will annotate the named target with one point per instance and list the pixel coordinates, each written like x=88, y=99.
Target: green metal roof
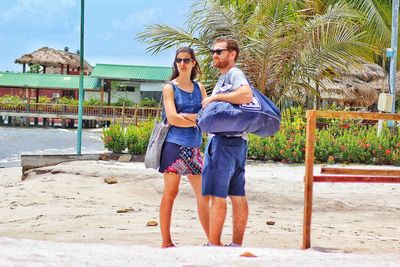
x=48, y=81
x=128, y=72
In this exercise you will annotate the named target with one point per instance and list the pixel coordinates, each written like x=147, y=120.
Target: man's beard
x=221, y=64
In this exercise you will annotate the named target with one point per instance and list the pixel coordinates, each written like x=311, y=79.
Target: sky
x=110, y=29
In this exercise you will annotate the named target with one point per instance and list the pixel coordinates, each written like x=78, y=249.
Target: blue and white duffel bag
x=260, y=117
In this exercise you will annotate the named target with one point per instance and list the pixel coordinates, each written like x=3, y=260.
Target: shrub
x=114, y=138
x=44, y=99
x=149, y=102
x=92, y=102
x=67, y=101
x=137, y=137
x=337, y=142
x=11, y=101
x=123, y=101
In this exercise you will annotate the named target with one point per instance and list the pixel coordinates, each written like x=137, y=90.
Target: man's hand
x=208, y=100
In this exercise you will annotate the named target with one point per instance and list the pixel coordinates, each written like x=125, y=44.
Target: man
x=225, y=157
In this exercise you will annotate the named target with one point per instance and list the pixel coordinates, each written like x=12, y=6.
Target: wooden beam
x=379, y=172
x=344, y=115
x=356, y=179
x=308, y=181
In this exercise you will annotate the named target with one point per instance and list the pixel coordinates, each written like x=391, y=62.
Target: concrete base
x=36, y=161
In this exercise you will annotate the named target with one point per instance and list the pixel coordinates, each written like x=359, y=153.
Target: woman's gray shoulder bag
x=157, y=138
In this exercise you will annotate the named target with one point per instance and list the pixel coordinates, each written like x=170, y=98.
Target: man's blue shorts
x=224, y=167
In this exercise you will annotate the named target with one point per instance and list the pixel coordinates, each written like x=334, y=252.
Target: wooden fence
x=353, y=175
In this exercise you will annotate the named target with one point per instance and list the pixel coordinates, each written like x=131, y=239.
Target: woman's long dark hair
x=196, y=68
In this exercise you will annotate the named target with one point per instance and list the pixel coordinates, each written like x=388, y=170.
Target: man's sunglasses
x=185, y=60
x=218, y=51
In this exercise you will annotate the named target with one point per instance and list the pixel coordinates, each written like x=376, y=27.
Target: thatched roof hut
x=349, y=92
x=49, y=57
x=353, y=88
x=382, y=85
x=366, y=72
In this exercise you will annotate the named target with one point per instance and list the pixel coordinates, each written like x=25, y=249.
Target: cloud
x=39, y=9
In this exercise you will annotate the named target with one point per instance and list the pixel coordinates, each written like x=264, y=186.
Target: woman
x=181, y=153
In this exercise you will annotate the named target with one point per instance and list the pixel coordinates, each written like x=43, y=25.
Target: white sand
x=353, y=224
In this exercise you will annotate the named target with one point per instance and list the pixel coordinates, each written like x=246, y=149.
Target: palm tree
x=287, y=47
x=376, y=19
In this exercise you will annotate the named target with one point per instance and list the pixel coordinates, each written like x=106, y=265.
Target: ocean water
x=15, y=141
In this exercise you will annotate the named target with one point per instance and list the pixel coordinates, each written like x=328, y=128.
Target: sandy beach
x=69, y=207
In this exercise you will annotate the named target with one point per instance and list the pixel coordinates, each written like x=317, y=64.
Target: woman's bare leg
x=171, y=188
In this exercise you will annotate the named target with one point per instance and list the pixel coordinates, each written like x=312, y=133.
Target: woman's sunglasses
x=185, y=60
x=218, y=51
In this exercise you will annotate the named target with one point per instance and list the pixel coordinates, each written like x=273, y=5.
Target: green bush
x=123, y=101
x=137, y=137
x=92, y=102
x=67, y=101
x=114, y=138
x=11, y=101
x=44, y=100
x=149, y=102
x=337, y=142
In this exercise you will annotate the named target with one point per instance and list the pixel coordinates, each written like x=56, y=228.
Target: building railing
x=106, y=112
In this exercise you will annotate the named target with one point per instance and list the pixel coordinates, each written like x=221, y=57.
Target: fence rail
x=106, y=113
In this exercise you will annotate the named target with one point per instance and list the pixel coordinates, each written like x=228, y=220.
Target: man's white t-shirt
x=229, y=82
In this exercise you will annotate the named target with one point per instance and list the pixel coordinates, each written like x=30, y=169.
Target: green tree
x=287, y=46
x=34, y=68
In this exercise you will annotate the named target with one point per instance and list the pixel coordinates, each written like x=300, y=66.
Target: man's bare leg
x=217, y=219
x=240, y=214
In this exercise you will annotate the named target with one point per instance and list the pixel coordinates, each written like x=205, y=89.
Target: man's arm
x=242, y=95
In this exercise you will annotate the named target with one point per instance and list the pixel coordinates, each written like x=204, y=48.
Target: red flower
x=388, y=151
x=367, y=145
x=107, y=139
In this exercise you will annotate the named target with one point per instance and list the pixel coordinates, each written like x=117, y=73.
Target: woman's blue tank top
x=186, y=103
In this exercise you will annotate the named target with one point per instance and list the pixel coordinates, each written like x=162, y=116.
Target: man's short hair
x=231, y=44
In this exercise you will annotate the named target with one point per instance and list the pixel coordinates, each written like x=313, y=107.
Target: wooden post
x=308, y=179
x=136, y=115
x=102, y=96
x=123, y=114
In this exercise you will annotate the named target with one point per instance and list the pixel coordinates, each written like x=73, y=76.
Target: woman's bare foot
x=169, y=245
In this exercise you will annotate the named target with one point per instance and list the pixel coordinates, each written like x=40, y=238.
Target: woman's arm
x=173, y=117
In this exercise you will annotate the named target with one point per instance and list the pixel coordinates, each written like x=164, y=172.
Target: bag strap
x=160, y=105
